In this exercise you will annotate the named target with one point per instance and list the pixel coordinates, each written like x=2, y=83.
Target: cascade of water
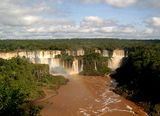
x=55, y=66
x=116, y=59
x=75, y=68
x=95, y=66
x=48, y=57
x=81, y=66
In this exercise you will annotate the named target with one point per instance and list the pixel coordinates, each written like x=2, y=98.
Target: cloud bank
x=42, y=19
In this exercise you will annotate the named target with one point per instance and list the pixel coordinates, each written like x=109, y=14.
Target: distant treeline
x=72, y=44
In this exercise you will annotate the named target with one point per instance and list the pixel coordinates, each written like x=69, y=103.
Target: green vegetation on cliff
x=65, y=57
x=21, y=81
x=95, y=64
x=139, y=79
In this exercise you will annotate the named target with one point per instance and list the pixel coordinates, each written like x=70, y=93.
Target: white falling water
x=116, y=59
x=58, y=66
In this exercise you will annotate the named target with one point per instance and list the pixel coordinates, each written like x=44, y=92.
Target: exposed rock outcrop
x=56, y=65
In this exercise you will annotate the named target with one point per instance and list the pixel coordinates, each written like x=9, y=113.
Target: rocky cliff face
x=56, y=65
x=31, y=54
x=48, y=57
x=79, y=52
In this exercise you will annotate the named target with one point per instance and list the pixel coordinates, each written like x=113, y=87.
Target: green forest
x=95, y=59
x=21, y=81
x=138, y=77
x=72, y=44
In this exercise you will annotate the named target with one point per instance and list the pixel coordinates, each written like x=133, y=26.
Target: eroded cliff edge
x=58, y=65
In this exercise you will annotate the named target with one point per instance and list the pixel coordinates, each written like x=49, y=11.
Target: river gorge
x=88, y=96
x=82, y=95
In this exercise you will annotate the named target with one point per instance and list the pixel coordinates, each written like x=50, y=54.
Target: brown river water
x=87, y=96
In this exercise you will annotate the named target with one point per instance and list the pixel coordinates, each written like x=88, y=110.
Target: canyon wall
x=56, y=65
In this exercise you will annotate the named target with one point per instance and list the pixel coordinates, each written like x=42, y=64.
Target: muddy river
x=88, y=96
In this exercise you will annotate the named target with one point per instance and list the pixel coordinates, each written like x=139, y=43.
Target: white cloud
x=93, y=18
x=128, y=30
x=120, y=3
x=15, y=12
x=87, y=1
x=153, y=27
x=94, y=21
x=108, y=29
x=31, y=19
x=148, y=31
x=40, y=19
x=90, y=26
x=153, y=4
x=153, y=22
x=114, y=3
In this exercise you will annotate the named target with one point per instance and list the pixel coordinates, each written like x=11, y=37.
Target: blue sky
x=49, y=19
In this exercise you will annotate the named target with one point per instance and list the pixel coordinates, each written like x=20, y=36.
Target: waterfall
x=75, y=68
x=81, y=66
x=95, y=66
x=116, y=59
x=55, y=66
x=58, y=66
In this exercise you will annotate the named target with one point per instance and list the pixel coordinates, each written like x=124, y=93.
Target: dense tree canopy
x=21, y=81
x=72, y=44
x=95, y=64
x=139, y=78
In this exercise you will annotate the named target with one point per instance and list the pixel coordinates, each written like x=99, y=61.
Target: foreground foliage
x=139, y=78
x=21, y=81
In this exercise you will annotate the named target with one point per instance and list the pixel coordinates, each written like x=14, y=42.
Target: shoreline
x=137, y=104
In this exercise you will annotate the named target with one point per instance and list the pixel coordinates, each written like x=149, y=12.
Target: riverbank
x=146, y=106
x=88, y=96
